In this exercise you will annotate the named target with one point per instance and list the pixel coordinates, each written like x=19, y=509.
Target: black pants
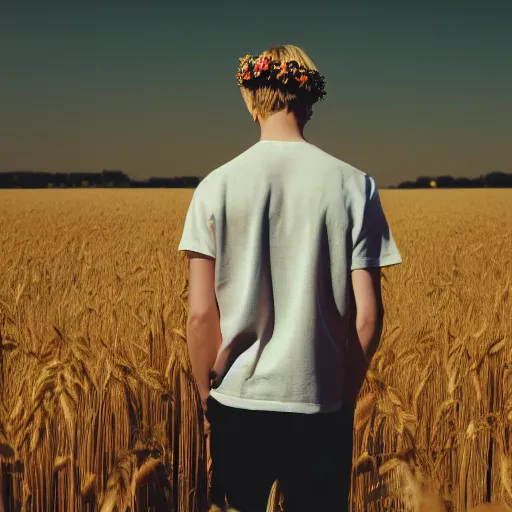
x=310, y=455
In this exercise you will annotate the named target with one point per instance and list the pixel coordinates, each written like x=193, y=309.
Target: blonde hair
x=267, y=100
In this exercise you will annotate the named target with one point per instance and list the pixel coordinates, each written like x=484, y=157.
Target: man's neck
x=282, y=126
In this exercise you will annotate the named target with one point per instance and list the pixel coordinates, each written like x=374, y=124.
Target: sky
x=413, y=87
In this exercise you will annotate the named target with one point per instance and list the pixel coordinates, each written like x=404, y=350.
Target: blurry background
x=414, y=88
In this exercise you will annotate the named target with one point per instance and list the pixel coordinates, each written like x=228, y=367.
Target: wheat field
x=98, y=409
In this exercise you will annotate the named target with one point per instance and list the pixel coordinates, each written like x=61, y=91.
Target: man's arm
x=203, y=326
x=365, y=328
x=369, y=317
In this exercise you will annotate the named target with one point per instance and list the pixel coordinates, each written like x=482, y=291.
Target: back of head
x=281, y=78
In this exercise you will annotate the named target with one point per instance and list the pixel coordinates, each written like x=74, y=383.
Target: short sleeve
x=372, y=241
x=199, y=228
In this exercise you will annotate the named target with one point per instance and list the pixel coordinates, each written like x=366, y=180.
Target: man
x=285, y=244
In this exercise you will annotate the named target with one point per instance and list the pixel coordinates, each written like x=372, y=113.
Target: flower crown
x=256, y=71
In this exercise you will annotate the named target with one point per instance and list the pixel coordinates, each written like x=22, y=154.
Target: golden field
x=98, y=410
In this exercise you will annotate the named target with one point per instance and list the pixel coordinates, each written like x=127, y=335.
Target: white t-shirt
x=286, y=223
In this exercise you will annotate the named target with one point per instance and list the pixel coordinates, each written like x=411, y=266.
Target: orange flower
x=247, y=75
x=304, y=78
x=284, y=69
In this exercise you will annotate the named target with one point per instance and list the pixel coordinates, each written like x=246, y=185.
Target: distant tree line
x=118, y=179
x=104, y=179
x=496, y=179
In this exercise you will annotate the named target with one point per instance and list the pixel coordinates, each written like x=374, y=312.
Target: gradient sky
x=413, y=87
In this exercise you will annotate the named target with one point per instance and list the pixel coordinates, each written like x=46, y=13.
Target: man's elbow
x=373, y=319
x=199, y=317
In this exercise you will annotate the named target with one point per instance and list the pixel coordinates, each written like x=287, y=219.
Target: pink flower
x=262, y=64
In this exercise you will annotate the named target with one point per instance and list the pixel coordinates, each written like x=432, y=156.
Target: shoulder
x=335, y=164
x=218, y=176
x=360, y=182
x=358, y=187
x=355, y=181
x=210, y=190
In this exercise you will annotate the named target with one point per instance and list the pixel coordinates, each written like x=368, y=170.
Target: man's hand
x=206, y=426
